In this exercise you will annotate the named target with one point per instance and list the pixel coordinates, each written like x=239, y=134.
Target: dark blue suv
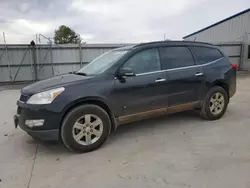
x=125, y=85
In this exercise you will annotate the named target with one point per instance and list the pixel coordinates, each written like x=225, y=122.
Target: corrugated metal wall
x=233, y=51
x=11, y=58
x=17, y=61
x=228, y=31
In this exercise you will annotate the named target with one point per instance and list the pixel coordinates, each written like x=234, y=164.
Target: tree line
x=66, y=35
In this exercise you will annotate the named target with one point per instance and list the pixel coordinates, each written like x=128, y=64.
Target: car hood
x=54, y=82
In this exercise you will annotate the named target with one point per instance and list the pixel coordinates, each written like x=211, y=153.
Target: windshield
x=102, y=63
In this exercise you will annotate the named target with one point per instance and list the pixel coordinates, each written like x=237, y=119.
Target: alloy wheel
x=217, y=103
x=87, y=129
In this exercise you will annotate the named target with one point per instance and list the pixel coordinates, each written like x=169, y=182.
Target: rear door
x=209, y=58
x=185, y=80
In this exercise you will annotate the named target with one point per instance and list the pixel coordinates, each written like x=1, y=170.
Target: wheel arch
x=223, y=85
x=91, y=100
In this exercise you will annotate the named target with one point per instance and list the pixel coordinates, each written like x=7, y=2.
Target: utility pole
x=80, y=51
x=33, y=49
x=6, y=49
x=51, y=55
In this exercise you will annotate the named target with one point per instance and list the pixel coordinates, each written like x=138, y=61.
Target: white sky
x=112, y=21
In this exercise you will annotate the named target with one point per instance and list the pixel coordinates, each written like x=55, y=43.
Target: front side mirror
x=125, y=72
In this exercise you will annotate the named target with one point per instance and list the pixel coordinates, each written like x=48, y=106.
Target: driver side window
x=144, y=61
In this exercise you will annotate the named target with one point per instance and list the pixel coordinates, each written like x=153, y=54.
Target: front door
x=144, y=92
x=185, y=80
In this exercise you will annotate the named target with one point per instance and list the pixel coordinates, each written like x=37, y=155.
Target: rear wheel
x=215, y=103
x=85, y=128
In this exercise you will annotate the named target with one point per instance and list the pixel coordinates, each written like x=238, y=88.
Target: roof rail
x=171, y=41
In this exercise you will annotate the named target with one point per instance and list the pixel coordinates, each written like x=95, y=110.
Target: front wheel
x=85, y=128
x=215, y=103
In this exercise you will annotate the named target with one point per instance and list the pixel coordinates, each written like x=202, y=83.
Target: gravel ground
x=179, y=150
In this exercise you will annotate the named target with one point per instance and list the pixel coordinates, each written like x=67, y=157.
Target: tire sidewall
x=71, y=118
x=210, y=93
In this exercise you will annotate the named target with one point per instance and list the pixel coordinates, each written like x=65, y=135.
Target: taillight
x=235, y=65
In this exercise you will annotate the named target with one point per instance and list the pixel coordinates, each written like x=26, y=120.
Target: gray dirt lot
x=179, y=151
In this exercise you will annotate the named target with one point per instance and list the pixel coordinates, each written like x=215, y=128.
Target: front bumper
x=50, y=129
x=46, y=135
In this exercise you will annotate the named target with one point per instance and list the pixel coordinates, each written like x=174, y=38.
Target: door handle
x=160, y=80
x=199, y=74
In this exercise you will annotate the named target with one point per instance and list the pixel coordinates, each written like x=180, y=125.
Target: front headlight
x=45, y=97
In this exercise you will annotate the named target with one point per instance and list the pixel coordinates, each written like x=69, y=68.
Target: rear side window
x=206, y=55
x=176, y=57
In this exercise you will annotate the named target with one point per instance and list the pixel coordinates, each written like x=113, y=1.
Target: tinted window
x=206, y=55
x=144, y=61
x=175, y=57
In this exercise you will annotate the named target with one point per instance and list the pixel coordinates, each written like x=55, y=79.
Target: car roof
x=129, y=47
x=166, y=43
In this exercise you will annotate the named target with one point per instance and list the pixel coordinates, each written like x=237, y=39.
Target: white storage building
x=232, y=34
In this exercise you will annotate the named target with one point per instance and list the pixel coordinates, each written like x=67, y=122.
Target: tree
x=65, y=35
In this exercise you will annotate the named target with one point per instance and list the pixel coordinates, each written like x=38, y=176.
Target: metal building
x=232, y=34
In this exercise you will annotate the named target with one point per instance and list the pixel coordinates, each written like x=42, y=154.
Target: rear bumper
x=232, y=83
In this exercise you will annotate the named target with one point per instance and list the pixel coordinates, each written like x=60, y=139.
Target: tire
x=206, y=110
x=68, y=128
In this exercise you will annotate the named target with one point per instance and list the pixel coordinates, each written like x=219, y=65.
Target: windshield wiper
x=79, y=73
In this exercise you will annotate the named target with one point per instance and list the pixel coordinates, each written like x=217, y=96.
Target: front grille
x=23, y=98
